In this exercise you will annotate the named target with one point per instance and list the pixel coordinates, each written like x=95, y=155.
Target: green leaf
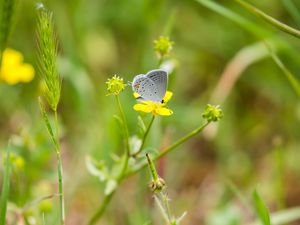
x=289, y=75
x=261, y=208
x=110, y=187
x=5, y=188
x=47, y=122
x=285, y=216
x=119, y=121
x=96, y=168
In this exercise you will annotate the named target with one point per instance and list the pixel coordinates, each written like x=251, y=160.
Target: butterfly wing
x=160, y=79
x=145, y=87
x=137, y=82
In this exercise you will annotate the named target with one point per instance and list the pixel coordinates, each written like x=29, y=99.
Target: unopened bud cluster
x=212, y=113
x=115, y=85
x=163, y=46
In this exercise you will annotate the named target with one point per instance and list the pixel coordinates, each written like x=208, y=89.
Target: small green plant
x=130, y=161
x=47, y=46
x=5, y=186
x=158, y=187
x=261, y=208
x=7, y=12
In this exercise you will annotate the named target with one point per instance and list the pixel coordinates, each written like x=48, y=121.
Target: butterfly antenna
x=129, y=83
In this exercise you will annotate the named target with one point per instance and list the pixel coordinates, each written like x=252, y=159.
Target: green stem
x=108, y=197
x=101, y=209
x=124, y=124
x=123, y=171
x=59, y=173
x=285, y=28
x=124, y=175
x=144, y=137
x=160, y=61
x=181, y=140
x=172, y=147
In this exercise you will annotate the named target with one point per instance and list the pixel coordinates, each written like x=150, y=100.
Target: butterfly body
x=151, y=86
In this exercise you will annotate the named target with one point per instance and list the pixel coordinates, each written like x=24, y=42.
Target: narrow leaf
x=261, y=208
x=289, y=75
x=281, y=26
x=5, y=188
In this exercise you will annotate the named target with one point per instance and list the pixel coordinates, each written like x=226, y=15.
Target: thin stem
x=181, y=140
x=125, y=128
x=101, y=209
x=172, y=147
x=160, y=61
x=124, y=175
x=59, y=173
x=123, y=171
x=285, y=28
x=144, y=137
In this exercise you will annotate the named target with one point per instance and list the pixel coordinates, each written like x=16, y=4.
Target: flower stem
x=124, y=124
x=144, y=137
x=181, y=140
x=124, y=175
x=172, y=147
x=101, y=209
x=60, y=173
x=123, y=171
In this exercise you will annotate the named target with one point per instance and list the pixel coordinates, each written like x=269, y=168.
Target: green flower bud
x=163, y=46
x=115, y=85
x=212, y=113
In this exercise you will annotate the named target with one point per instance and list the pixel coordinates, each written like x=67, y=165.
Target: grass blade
x=293, y=11
x=285, y=216
x=281, y=26
x=5, y=188
x=289, y=75
x=241, y=21
x=261, y=208
x=7, y=11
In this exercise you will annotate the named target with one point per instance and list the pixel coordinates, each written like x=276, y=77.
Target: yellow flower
x=156, y=108
x=13, y=70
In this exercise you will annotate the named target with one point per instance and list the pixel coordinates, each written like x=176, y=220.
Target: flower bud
x=115, y=85
x=212, y=113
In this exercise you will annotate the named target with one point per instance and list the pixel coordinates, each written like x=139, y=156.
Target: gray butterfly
x=152, y=86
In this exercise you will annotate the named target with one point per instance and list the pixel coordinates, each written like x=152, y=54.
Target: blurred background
x=214, y=60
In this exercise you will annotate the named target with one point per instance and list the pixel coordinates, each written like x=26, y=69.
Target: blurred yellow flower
x=163, y=46
x=156, y=108
x=13, y=70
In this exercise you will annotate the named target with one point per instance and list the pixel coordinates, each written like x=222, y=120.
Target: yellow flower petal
x=143, y=108
x=164, y=111
x=168, y=96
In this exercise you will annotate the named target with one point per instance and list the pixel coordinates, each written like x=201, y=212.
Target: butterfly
x=151, y=86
